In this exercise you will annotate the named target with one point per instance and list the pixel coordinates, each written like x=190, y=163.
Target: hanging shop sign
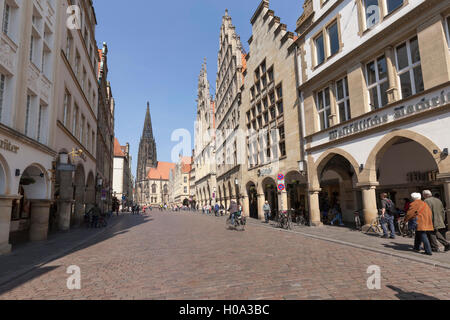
x=432, y=100
x=8, y=146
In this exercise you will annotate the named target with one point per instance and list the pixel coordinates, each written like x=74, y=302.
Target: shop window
x=42, y=123
x=320, y=49
x=272, y=113
x=333, y=38
x=409, y=68
x=2, y=93
x=272, y=98
x=392, y=5
x=6, y=17
x=372, y=13
x=280, y=108
x=447, y=29
x=279, y=92
x=258, y=107
x=324, y=108
x=377, y=82
x=75, y=121
x=343, y=100
x=270, y=75
x=28, y=114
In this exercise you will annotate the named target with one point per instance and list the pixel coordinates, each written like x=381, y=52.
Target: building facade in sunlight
x=122, y=177
x=205, y=144
x=374, y=84
x=271, y=118
x=229, y=148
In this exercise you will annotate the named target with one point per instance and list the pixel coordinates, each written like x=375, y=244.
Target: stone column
x=283, y=201
x=445, y=178
x=314, y=209
x=5, y=223
x=246, y=206
x=369, y=202
x=392, y=92
x=40, y=212
x=333, y=107
x=261, y=200
x=65, y=200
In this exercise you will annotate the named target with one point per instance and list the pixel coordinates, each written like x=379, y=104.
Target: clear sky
x=156, y=49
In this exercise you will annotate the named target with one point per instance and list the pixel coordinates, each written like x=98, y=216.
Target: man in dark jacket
x=387, y=215
x=233, y=209
x=437, y=208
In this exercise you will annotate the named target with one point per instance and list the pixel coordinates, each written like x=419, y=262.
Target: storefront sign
x=264, y=172
x=416, y=106
x=422, y=176
x=8, y=146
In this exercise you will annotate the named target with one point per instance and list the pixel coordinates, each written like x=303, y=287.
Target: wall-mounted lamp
x=17, y=172
x=361, y=167
x=302, y=166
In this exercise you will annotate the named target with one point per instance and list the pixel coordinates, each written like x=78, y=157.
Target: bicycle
x=285, y=220
x=375, y=226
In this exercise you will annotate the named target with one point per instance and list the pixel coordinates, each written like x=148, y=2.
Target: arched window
x=154, y=188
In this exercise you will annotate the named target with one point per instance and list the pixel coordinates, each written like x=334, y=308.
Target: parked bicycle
x=285, y=220
x=375, y=226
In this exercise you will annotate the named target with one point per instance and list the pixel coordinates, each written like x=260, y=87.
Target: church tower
x=147, y=156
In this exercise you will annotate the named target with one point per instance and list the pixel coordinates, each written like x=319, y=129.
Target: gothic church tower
x=147, y=156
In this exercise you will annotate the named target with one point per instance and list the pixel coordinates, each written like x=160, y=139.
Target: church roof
x=161, y=172
x=118, y=149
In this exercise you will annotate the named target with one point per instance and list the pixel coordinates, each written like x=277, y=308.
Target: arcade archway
x=253, y=200
x=271, y=195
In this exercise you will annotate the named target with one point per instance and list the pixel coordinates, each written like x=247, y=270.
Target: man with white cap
x=437, y=208
x=420, y=210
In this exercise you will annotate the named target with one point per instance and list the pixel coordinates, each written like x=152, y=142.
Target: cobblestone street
x=193, y=256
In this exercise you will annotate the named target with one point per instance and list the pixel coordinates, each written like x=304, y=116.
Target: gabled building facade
x=228, y=99
x=271, y=117
x=374, y=85
x=105, y=135
x=205, y=148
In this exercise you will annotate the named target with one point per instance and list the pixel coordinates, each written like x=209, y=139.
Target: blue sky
x=156, y=49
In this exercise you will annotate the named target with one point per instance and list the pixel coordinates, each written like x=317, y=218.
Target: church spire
x=148, y=129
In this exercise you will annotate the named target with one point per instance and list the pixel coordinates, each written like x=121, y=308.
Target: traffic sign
x=280, y=177
x=281, y=187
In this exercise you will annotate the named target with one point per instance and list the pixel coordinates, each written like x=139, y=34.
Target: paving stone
x=190, y=256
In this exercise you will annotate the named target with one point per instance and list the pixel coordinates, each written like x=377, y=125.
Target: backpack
x=389, y=206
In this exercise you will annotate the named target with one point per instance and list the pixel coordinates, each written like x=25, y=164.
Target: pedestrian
x=233, y=210
x=95, y=212
x=387, y=216
x=420, y=210
x=324, y=209
x=438, y=216
x=337, y=214
x=216, y=209
x=267, y=211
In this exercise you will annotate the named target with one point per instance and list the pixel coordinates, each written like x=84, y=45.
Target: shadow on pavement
x=405, y=295
x=123, y=226
x=399, y=246
x=27, y=277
